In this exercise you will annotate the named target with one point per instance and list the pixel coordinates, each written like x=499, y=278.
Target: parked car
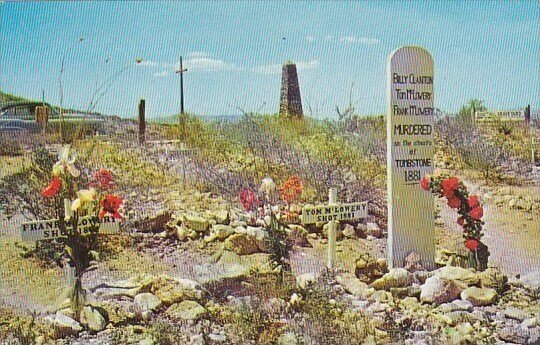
x=21, y=116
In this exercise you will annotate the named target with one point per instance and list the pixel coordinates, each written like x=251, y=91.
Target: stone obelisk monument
x=290, y=103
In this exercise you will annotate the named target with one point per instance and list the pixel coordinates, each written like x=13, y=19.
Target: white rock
x=65, y=325
x=531, y=280
x=186, y=310
x=439, y=290
x=479, y=296
x=397, y=277
x=529, y=323
x=372, y=229
x=306, y=279
x=348, y=231
x=459, y=274
x=146, y=301
x=93, y=319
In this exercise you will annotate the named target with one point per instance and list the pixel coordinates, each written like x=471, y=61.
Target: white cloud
x=267, y=69
x=206, y=64
x=162, y=74
x=345, y=39
x=276, y=68
x=303, y=65
x=149, y=63
x=198, y=54
x=361, y=40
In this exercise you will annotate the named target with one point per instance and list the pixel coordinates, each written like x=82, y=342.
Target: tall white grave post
x=332, y=225
x=410, y=156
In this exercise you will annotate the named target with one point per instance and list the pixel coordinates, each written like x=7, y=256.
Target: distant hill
x=6, y=97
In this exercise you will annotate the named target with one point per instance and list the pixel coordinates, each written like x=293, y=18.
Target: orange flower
x=53, y=188
x=291, y=189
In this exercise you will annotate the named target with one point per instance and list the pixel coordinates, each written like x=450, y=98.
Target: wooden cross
x=331, y=214
x=182, y=70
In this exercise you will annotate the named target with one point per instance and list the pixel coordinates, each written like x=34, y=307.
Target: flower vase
x=472, y=259
x=482, y=256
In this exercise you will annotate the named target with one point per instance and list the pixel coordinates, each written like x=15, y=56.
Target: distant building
x=290, y=103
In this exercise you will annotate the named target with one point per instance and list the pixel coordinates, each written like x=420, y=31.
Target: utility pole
x=182, y=70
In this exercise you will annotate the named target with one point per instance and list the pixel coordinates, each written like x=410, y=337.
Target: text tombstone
x=410, y=118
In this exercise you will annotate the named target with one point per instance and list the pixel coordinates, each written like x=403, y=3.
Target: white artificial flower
x=68, y=213
x=268, y=186
x=84, y=200
x=66, y=162
x=295, y=299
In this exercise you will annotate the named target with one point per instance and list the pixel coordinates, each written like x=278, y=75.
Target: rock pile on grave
x=125, y=301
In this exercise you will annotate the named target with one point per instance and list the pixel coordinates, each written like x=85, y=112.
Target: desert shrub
x=133, y=166
x=504, y=128
x=250, y=322
x=21, y=329
x=279, y=246
x=20, y=192
x=235, y=156
x=328, y=323
x=475, y=150
x=10, y=146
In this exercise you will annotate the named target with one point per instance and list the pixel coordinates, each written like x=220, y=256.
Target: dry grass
x=28, y=277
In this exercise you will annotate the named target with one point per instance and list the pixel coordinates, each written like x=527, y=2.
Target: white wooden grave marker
x=410, y=155
x=331, y=214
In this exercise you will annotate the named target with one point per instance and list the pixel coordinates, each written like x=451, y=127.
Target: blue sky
x=233, y=50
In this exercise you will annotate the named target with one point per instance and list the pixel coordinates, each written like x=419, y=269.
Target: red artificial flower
x=474, y=201
x=110, y=204
x=454, y=202
x=471, y=243
x=53, y=188
x=461, y=221
x=248, y=199
x=449, y=186
x=424, y=183
x=477, y=213
x=104, y=180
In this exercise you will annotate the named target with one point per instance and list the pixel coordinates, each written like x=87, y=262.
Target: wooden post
x=332, y=225
x=533, y=150
x=142, y=122
x=527, y=114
